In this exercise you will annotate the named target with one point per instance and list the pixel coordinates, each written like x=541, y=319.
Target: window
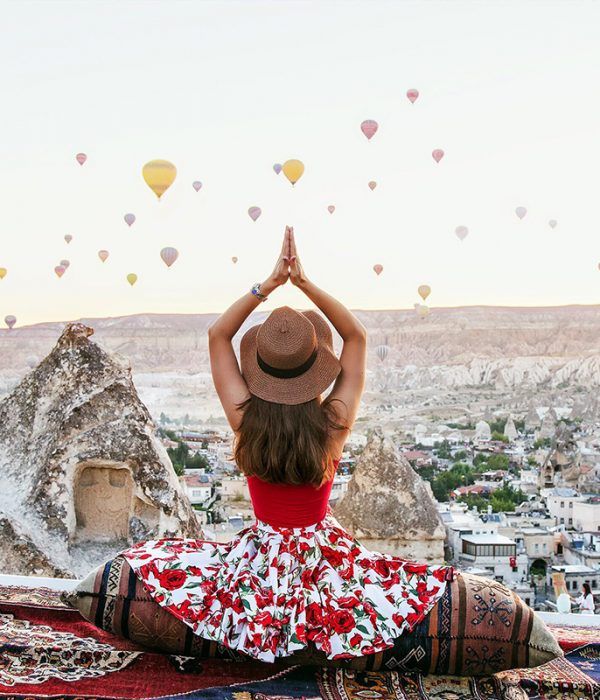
x=537, y=547
x=562, y=504
x=570, y=521
x=570, y=504
x=574, y=585
x=568, y=585
x=562, y=521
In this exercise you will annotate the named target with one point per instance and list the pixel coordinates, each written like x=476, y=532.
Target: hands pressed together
x=288, y=265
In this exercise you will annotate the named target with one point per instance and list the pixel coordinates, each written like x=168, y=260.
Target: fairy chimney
x=84, y=473
x=388, y=507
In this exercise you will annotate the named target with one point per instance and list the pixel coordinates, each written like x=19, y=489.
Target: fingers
x=286, y=242
x=293, y=251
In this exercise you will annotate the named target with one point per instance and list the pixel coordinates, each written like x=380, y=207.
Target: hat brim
x=294, y=390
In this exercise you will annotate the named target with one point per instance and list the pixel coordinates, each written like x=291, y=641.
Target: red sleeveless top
x=289, y=505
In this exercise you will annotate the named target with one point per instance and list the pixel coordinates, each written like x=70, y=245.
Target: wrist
x=268, y=286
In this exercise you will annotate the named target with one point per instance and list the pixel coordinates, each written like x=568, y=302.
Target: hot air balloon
x=437, y=154
x=552, y=223
x=3, y=272
x=331, y=208
x=132, y=278
x=369, y=128
x=382, y=352
x=10, y=321
x=32, y=361
x=159, y=176
x=424, y=291
x=378, y=269
x=129, y=219
x=293, y=170
x=234, y=259
x=254, y=213
x=412, y=95
x=81, y=158
x=197, y=185
x=462, y=232
x=277, y=168
x=60, y=271
x=372, y=185
x=103, y=254
x=169, y=255
x=65, y=263
x=520, y=212
x=68, y=238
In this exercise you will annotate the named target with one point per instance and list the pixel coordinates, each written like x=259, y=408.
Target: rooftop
x=488, y=539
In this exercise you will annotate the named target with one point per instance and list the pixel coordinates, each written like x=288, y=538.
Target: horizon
x=518, y=126
x=432, y=309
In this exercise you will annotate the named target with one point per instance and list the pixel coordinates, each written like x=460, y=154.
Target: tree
x=501, y=437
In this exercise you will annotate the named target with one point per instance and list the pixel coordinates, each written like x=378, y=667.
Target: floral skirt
x=271, y=591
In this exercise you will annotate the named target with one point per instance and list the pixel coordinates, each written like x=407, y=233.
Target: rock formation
x=388, y=507
x=83, y=473
x=510, y=429
x=482, y=431
x=548, y=426
x=532, y=419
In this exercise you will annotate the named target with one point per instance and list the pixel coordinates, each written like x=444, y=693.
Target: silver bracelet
x=257, y=293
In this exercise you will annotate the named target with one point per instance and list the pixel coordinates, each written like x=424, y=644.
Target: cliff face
x=83, y=472
x=389, y=508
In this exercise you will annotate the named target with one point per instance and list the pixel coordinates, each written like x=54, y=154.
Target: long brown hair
x=286, y=444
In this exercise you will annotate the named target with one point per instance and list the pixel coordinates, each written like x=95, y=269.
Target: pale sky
x=509, y=90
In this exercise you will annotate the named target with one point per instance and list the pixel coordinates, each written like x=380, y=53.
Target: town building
x=496, y=554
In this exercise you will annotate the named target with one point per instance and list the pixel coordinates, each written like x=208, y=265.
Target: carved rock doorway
x=103, y=493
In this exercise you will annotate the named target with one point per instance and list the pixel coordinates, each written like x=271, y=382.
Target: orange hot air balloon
x=132, y=278
x=59, y=270
x=378, y=269
x=372, y=185
x=424, y=291
x=103, y=255
x=169, y=255
x=3, y=272
x=293, y=170
x=159, y=176
x=437, y=154
x=369, y=128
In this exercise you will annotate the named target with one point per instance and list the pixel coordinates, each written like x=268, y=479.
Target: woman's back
x=289, y=505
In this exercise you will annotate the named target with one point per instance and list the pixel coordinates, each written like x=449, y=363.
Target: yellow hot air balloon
x=293, y=170
x=424, y=291
x=132, y=278
x=159, y=176
x=3, y=272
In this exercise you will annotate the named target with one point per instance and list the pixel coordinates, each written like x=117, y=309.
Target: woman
x=586, y=600
x=294, y=577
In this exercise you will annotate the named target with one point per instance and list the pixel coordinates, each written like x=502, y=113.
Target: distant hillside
x=448, y=336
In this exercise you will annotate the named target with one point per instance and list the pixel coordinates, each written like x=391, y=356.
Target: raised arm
x=350, y=383
x=229, y=383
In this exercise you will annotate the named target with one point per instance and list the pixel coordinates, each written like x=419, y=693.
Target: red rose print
x=194, y=571
x=263, y=618
x=342, y=621
x=170, y=579
x=382, y=567
x=314, y=615
x=355, y=639
x=398, y=619
x=301, y=633
x=334, y=557
x=348, y=602
x=237, y=606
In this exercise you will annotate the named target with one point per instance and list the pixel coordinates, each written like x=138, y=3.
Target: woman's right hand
x=297, y=276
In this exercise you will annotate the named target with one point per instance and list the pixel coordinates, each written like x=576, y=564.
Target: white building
x=586, y=515
x=560, y=503
x=496, y=554
x=198, y=487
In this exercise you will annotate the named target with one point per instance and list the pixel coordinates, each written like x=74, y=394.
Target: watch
x=257, y=293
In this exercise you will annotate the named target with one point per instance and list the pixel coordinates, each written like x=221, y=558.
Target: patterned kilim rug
x=48, y=651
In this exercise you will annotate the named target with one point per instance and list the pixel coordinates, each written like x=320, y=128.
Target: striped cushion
x=477, y=628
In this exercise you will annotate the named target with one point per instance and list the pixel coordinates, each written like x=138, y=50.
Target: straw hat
x=289, y=358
